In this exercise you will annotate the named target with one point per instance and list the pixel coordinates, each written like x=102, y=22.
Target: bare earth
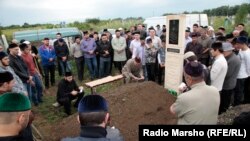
x=130, y=105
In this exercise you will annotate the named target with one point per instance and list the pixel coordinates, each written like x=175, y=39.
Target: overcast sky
x=54, y=11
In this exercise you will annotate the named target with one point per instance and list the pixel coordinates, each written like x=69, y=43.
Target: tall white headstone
x=175, y=46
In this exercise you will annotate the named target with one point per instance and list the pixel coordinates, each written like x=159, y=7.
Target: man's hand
x=74, y=92
x=51, y=59
x=64, y=58
x=91, y=52
x=106, y=52
x=30, y=78
x=162, y=65
x=142, y=78
x=136, y=78
x=32, y=83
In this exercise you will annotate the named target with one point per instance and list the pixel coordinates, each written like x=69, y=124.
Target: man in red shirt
x=37, y=88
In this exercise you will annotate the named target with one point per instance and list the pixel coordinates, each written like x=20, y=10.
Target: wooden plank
x=103, y=81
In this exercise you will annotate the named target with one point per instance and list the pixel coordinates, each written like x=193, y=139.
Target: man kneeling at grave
x=67, y=91
x=94, y=119
x=132, y=71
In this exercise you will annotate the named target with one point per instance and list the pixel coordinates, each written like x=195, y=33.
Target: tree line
x=219, y=11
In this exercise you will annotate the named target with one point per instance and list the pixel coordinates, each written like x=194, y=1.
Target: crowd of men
x=216, y=72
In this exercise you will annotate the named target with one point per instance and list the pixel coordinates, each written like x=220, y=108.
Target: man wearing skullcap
x=14, y=116
x=4, y=66
x=94, y=118
x=68, y=91
x=20, y=68
x=200, y=105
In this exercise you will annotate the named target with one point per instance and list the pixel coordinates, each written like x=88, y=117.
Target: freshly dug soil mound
x=130, y=105
x=228, y=117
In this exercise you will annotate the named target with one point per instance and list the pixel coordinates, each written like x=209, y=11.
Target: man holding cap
x=67, y=91
x=233, y=63
x=14, y=116
x=200, y=105
x=94, y=119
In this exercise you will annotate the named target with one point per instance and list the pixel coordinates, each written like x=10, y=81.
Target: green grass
x=51, y=114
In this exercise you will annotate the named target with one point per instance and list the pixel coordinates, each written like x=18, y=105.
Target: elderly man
x=94, y=119
x=132, y=71
x=200, y=105
x=14, y=118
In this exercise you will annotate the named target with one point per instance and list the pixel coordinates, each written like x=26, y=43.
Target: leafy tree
x=241, y=14
x=25, y=25
x=93, y=21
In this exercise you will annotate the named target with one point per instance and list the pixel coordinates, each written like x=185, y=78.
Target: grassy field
x=51, y=114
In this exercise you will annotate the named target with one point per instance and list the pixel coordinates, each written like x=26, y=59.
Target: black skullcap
x=5, y=77
x=61, y=40
x=221, y=38
x=77, y=37
x=126, y=32
x=85, y=32
x=222, y=28
x=105, y=30
x=68, y=74
x=23, y=46
x=242, y=40
x=194, y=69
x=229, y=36
x=13, y=45
x=136, y=32
x=92, y=103
x=21, y=41
x=2, y=55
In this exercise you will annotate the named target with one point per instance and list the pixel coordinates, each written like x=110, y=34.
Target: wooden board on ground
x=103, y=81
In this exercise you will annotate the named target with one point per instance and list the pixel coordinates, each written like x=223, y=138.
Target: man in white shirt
x=156, y=40
x=219, y=67
x=244, y=73
x=136, y=42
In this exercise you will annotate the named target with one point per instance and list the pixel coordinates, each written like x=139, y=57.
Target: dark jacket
x=61, y=51
x=65, y=88
x=11, y=138
x=19, y=67
x=91, y=133
x=196, y=48
x=234, y=64
x=104, y=46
